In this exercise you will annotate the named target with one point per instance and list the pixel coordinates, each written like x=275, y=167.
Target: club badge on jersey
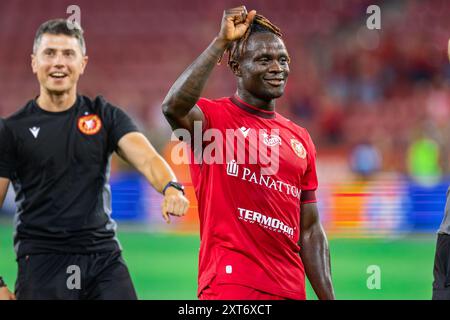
x=90, y=124
x=298, y=148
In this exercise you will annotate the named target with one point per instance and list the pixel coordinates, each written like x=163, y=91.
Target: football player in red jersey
x=260, y=233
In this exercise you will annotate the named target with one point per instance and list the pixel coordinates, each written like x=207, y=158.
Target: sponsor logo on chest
x=265, y=221
x=35, y=131
x=267, y=181
x=244, y=131
x=271, y=140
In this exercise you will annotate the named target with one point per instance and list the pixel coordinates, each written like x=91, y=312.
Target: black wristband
x=174, y=184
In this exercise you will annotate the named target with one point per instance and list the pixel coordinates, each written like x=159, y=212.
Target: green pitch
x=164, y=266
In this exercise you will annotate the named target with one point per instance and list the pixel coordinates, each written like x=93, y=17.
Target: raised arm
x=179, y=106
x=314, y=252
x=137, y=150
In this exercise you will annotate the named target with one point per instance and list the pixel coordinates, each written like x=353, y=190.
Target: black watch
x=2, y=283
x=174, y=184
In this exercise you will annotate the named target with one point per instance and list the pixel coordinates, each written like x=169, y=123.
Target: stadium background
x=376, y=103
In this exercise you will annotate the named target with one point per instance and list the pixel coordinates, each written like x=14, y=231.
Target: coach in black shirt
x=56, y=152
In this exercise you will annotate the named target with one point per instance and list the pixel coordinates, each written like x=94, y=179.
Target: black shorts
x=98, y=276
x=441, y=272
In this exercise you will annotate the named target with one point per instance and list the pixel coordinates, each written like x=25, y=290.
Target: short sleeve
x=119, y=125
x=208, y=108
x=309, y=182
x=7, y=158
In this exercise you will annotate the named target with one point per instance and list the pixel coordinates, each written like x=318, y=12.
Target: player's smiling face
x=264, y=67
x=58, y=63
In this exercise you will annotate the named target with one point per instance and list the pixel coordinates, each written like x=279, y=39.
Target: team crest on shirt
x=298, y=148
x=90, y=124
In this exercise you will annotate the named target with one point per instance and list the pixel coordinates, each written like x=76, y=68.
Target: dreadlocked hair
x=259, y=24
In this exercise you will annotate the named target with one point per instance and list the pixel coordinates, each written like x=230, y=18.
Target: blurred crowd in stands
x=380, y=97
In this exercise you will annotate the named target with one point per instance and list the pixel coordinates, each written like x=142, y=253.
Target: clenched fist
x=235, y=23
x=174, y=203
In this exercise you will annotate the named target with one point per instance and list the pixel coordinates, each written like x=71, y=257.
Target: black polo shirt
x=59, y=165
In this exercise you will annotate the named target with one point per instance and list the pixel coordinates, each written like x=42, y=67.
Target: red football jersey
x=249, y=218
